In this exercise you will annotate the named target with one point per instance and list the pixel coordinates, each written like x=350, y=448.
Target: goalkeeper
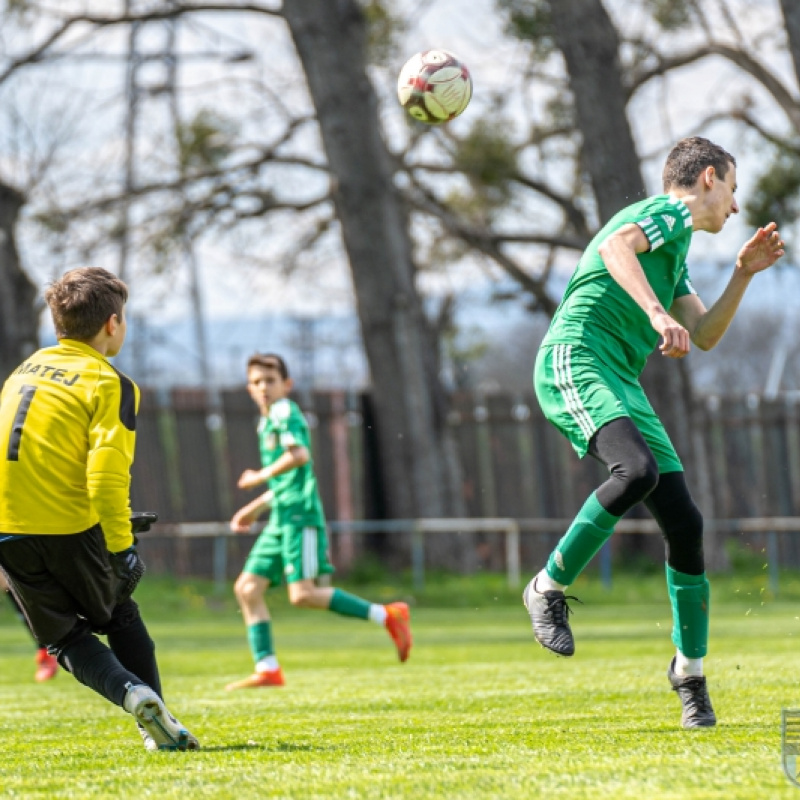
x=67, y=435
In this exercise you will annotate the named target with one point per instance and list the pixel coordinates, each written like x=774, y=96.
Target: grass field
x=479, y=711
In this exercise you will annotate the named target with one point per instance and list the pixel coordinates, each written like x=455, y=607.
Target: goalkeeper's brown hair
x=83, y=300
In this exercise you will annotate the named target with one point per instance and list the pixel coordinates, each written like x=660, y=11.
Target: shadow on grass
x=223, y=748
x=279, y=747
x=674, y=731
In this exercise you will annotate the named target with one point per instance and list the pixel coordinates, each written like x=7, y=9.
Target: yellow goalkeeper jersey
x=67, y=437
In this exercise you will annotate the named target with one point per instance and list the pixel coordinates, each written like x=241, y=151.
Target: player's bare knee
x=300, y=597
x=246, y=588
x=300, y=600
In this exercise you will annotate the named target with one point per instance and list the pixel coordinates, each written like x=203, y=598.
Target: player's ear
x=709, y=174
x=289, y=383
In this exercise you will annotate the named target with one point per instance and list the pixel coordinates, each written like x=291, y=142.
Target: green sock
x=690, y=596
x=260, y=637
x=348, y=605
x=588, y=533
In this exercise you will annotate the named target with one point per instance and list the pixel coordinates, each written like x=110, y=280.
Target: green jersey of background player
x=630, y=289
x=294, y=545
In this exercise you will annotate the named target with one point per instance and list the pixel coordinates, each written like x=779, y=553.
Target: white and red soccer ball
x=434, y=86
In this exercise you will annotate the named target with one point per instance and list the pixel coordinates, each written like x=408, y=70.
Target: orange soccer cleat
x=47, y=666
x=273, y=677
x=398, y=623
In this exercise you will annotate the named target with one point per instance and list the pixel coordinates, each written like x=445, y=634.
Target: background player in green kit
x=631, y=289
x=294, y=546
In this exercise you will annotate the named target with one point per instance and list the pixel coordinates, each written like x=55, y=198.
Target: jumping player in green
x=294, y=546
x=630, y=290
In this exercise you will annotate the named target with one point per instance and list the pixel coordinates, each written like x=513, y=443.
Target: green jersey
x=297, y=500
x=598, y=313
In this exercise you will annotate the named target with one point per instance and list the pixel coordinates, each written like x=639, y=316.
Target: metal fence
x=192, y=445
x=211, y=549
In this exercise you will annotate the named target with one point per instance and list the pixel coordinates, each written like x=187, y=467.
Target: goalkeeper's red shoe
x=398, y=623
x=273, y=677
x=46, y=665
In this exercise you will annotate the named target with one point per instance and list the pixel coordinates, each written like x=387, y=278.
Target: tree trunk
x=589, y=43
x=791, y=16
x=422, y=472
x=588, y=39
x=19, y=318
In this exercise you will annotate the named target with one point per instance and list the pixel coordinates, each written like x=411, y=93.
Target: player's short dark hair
x=690, y=157
x=269, y=361
x=83, y=300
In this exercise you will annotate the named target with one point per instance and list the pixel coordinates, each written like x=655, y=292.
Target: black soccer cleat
x=549, y=614
x=692, y=690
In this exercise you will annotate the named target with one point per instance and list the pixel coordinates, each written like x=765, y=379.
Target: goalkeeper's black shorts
x=64, y=584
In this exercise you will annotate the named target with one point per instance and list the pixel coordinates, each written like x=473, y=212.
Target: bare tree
x=590, y=44
x=791, y=17
x=19, y=315
x=484, y=216
x=418, y=454
x=421, y=468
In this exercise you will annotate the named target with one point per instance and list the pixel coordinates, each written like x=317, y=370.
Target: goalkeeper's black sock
x=136, y=651
x=95, y=666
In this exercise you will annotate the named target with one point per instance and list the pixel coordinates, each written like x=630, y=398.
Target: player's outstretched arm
x=244, y=518
x=761, y=250
x=294, y=457
x=251, y=479
x=707, y=327
x=112, y=441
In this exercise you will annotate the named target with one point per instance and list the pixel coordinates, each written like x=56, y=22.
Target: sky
x=321, y=284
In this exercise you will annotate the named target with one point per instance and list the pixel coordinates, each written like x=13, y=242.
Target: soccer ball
x=434, y=86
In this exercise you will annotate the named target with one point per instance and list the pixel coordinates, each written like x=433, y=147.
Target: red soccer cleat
x=398, y=623
x=273, y=677
x=47, y=666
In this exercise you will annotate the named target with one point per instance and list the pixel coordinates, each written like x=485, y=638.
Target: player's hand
x=242, y=521
x=251, y=478
x=761, y=251
x=675, y=339
x=129, y=568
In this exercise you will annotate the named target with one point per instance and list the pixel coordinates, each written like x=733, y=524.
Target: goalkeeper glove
x=142, y=520
x=129, y=568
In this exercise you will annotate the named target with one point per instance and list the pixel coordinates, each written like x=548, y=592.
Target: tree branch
x=180, y=185
x=746, y=62
x=489, y=243
x=573, y=214
x=743, y=115
x=39, y=53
